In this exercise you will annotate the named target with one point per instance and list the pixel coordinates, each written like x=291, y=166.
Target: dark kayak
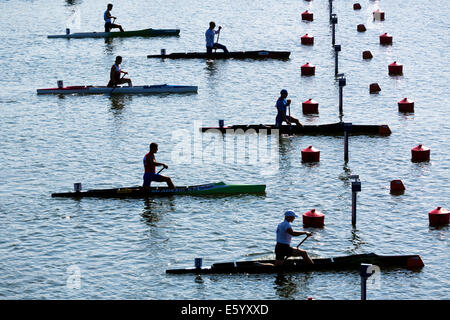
x=321, y=129
x=261, y=54
x=352, y=262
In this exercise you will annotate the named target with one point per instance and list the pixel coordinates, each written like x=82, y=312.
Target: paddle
x=218, y=35
x=307, y=236
x=160, y=170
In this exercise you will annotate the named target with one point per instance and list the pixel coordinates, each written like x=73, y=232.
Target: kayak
x=322, y=129
x=152, y=89
x=261, y=54
x=351, y=262
x=115, y=34
x=218, y=188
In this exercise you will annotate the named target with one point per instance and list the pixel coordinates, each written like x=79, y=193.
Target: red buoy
x=361, y=28
x=308, y=69
x=307, y=16
x=310, y=154
x=367, y=55
x=420, y=154
x=395, y=69
x=397, y=187
x=385, y=39
x=313, y=219
x=310, y=106
x=356, y=6
x=378, y=15
x=307, y=40
x=374, y=88
x=406, y=105
x=439, y=217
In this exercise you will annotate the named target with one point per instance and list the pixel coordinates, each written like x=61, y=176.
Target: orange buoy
x=439, y=217
x=395, y=69
x=420, y=154
x=367, y=55
x=310, y=106
x=313, y=219
x=384, y=130
x=378, y=15
x=406, y=105
x=310, y=154
x=307, y=40
x=361, y=28
x=307, y=16
x=385, y=39
x=374, y=88
x=308, y=69
x=356, y=6
x=397, y=187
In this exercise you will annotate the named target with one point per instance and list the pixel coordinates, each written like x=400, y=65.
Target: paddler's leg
x=302, y=253
x=113, y=25
x=220, y=46
x=292, y=119
x=147, y=181
x=125, y=80
x=168, y=181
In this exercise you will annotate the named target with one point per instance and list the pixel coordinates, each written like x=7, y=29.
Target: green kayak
x=218, y=188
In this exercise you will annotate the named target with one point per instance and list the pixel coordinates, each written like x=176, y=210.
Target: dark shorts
x=109, y=26
x=149, y=177
x=282, y=251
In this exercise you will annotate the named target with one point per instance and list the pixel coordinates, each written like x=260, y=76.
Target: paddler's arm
x=297, y=233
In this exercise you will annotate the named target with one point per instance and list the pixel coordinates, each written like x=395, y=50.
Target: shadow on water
x=73, y=2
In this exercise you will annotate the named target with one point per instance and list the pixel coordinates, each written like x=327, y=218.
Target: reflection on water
x=356, y=241
x=287, y=285
x=118, y=102
x=155, y=208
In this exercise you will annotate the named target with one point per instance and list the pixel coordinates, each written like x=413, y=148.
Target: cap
x=290, y=213
x=284, y=91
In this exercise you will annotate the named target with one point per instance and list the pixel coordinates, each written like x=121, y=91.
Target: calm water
x=123, y=247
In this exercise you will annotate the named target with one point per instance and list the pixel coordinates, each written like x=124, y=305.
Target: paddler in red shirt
x=150, y=165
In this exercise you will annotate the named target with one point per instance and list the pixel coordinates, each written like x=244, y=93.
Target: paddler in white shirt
x=210, y=41
x=283, y=249
x=114, y=75
x=108, y=17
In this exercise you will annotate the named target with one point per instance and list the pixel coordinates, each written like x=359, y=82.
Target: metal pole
x=334, y=21
x=342, y=83
x=337, y=48
x=356, y=187
x=363, y=272
x=345, y=146
x=331, y=7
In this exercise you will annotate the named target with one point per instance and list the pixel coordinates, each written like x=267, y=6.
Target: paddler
x=210, y=42
x=150, y=165
x=114, y=75
x=107, y=17
x=283, y=248
x=282, y=105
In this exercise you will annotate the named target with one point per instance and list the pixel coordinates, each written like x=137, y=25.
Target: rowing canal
x=121, y=248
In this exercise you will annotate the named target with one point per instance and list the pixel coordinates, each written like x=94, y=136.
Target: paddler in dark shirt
x=150, y=165
x=114, y=75
x=108, y=23
x=282, y=105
